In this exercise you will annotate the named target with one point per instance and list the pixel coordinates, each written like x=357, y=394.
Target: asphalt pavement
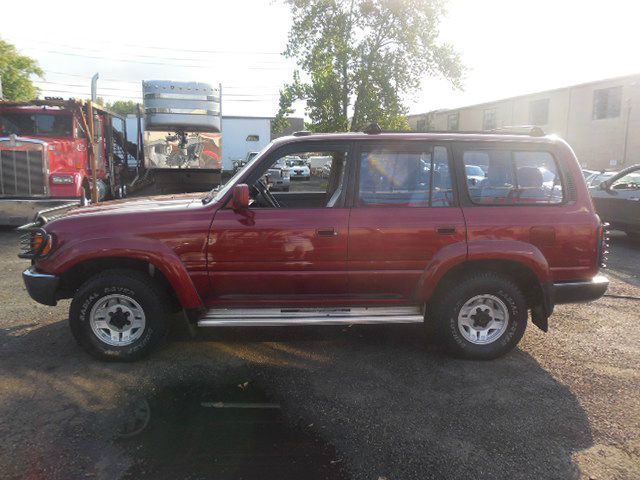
x=366, y=402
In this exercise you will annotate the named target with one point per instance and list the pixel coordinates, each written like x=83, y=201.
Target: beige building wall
x=607, y=143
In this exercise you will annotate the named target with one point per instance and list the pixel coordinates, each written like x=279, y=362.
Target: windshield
x=598, y=178
x=221, y=190
x=36, y=124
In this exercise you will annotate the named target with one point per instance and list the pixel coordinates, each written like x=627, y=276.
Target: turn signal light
x=43, y=242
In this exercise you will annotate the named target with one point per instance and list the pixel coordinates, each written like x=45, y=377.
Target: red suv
x=465, y=232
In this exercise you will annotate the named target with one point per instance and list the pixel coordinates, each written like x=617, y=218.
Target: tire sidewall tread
x=132, y=284
x=485, y=283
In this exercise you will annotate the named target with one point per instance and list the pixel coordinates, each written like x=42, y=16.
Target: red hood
x=139, y=205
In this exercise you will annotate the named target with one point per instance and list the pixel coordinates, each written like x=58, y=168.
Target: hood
x=139, y=205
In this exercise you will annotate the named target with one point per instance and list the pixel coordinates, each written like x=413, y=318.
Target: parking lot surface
x=365, y=402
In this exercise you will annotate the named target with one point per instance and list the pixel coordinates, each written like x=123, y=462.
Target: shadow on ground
x=358, y=402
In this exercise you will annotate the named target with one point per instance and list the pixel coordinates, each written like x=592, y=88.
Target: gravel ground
x=360, y=402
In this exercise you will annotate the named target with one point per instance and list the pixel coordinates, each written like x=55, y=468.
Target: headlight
x=62, y=179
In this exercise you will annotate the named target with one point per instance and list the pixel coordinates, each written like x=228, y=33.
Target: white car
x=298, y=169
x=475, y=174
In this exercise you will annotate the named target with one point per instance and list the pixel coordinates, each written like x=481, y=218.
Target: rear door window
x=512, y=177
x=397, y=178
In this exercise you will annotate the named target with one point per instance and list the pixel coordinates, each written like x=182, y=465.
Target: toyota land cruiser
x=398, y=233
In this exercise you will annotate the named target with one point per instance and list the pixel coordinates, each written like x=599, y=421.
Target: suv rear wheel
x=119, y=315
x=482, y=317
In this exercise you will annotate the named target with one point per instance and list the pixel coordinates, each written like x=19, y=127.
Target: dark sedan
x=617, y=201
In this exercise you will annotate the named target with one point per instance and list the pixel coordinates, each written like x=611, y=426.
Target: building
x=600, y=120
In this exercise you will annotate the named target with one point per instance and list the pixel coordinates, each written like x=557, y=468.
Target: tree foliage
x=15, y=72
x=360, y=57
x=122, y=107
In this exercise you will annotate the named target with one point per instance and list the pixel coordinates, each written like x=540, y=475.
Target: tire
x=469, y=309
x=117, y=296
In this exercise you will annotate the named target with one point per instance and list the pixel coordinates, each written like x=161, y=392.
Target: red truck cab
x=44, y=158
x=400, y=232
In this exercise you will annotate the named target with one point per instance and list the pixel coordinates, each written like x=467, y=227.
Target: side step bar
x=274, y=317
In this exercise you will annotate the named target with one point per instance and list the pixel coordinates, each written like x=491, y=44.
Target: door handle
x=446, y=230
x=327, y=232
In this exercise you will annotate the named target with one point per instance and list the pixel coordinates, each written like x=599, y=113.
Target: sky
x=508, y=47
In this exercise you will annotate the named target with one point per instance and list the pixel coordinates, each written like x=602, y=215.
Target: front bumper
x=576, y=292
x=18, y=211
x=42, y=287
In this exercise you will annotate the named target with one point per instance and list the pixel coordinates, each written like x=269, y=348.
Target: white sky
x=509, y=47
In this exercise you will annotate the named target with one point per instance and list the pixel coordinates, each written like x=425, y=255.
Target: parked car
x=617, y=201
x=382, y=242
x=325, y=172
x=279, y=176
x=299, y=169
x=597, y=178
x=474, y=173
x=316, y=162
x=238, y=164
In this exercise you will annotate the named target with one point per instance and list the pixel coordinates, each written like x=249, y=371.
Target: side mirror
x=241, y=196
x=605, y=186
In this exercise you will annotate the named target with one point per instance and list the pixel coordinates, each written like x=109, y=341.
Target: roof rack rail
x=302, y=133
x=531, y=130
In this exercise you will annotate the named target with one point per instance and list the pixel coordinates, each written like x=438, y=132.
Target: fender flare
x=148, y=250
x=456, y=254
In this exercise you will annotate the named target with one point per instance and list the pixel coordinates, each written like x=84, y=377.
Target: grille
x=22, y=171
x=275, y=173
x=28, y=246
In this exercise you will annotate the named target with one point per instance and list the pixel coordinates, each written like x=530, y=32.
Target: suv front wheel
x=119, y=315
x=482, y=317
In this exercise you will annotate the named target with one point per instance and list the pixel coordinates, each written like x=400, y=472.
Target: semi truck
x=182, y=139
x=46, y=150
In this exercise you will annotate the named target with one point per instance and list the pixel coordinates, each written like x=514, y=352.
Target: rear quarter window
x=512, y=177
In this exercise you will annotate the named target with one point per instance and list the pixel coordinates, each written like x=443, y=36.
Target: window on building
x=452, y=121
x=539, y=112
x=607, y=102
x=489, y=119
x=512, y=177
x=393, y=178
x=253, y=138
x=421, y=125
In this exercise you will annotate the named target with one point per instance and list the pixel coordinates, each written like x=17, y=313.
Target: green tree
x=361, y=57
x=122, y=107
x=15, y=72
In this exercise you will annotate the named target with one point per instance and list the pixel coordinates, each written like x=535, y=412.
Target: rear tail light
x=603, y=244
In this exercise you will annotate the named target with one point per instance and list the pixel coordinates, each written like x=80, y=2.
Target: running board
x=274, y=317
